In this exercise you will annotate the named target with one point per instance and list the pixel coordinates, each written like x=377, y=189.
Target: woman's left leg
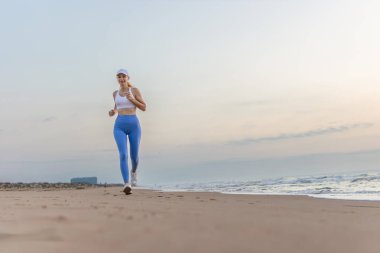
x=134, y=143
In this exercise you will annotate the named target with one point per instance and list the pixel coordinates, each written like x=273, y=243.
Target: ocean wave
x=363, y=185
x=365, y=179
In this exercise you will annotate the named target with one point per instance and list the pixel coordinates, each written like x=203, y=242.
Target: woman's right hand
x=111, y=113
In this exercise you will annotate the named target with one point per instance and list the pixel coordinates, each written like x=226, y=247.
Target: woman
x=127, y=98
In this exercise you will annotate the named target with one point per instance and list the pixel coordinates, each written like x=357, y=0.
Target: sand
x=106, y=220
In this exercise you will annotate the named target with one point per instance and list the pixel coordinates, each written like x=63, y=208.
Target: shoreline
x=99, y=219
x=20, y=186
x=276, y=194
x=45, y=186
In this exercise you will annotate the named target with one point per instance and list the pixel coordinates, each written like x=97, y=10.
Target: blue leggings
x=127, y=125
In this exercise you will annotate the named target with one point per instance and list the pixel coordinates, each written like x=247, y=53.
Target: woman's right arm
x=113, y=111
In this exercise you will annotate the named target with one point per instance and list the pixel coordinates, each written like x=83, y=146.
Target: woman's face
x=122, y=79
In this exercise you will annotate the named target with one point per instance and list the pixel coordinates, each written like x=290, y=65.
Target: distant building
x=85, y=180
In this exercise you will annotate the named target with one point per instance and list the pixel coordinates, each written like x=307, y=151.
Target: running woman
x=127, y=98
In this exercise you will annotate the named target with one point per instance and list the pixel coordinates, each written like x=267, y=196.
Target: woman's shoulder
x=114, y=93
x=135, y=89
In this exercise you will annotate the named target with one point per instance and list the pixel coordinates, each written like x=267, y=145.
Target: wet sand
x=99, y=219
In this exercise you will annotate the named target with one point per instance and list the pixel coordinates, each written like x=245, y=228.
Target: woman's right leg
x=121, y=141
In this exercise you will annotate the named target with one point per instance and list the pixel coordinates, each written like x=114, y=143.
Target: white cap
x=122, y=71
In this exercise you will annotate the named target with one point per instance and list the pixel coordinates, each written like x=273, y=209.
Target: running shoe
x=134, y=178
x=127, y=189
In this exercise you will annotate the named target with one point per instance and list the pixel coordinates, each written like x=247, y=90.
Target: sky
x=235, y=89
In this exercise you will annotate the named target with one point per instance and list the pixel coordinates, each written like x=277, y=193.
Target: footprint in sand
x=44, y=235
x=5, y=236
x=60, y=218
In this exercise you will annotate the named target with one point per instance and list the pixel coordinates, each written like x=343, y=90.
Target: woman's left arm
x=138, y=100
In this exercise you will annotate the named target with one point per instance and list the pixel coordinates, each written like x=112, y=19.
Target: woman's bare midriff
x=127, y=111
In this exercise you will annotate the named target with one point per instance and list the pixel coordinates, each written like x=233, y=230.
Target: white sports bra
x=124, y=102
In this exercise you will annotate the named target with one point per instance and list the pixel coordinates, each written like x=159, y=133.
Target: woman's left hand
x=130, y=97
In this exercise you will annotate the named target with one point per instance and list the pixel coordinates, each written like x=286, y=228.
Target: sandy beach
x=103, y=219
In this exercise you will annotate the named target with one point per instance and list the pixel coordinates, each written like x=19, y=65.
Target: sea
x=361, y=186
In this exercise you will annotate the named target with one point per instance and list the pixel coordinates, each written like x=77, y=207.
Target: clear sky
x=235, y=89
